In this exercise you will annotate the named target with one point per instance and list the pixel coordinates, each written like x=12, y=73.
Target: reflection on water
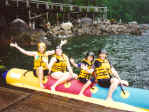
x=128, y=54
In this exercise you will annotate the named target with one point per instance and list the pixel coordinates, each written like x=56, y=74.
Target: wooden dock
x=22, y=100
x=32, y=10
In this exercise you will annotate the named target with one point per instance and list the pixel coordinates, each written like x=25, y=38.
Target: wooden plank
x=9, y=97
x=21, y=100
x=43, y=102
x=100, y=102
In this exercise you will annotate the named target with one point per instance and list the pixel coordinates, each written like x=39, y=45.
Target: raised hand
x=63, y=42
x=13, y=44
x=124, y=82
x=72, y=60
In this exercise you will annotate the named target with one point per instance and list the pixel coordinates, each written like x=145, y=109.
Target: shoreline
x=48, y=32
x=96, y=29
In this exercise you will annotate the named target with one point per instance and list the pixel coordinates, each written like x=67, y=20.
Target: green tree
x=127, y=10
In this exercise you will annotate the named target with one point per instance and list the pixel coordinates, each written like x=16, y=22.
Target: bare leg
x=84, y=87
x=39, y=72
x=114, y=83
x=125, y=83
x=64, y=77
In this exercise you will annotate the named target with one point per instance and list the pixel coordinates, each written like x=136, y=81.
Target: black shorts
x=45, y=72
x=103, y=82
x=83, y=80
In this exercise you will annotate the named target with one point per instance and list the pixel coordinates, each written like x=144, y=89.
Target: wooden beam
x=37, y=16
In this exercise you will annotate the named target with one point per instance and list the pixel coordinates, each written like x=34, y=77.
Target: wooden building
x=36, y=11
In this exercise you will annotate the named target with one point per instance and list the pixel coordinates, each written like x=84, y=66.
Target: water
x=128, y=54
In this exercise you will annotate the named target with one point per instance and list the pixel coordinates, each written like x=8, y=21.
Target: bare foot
x=109, y=99
x=81, y=94
x=52, y=88
x=42, y=86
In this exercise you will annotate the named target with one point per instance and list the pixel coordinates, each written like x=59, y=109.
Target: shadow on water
x=128, y=54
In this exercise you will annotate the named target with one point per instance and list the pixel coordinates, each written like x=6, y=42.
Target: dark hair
x=102, y=51
x=90, y=54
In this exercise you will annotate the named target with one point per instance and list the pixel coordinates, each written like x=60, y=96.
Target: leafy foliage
x=126, y=10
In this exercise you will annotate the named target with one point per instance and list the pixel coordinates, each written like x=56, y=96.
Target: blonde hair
x=41, y=44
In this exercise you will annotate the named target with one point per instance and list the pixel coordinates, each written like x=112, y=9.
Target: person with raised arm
x=60, y=68
x=86, y=69
x=40, y=59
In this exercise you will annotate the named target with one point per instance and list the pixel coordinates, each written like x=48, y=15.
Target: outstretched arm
x=68, y=66
x=29, y=53
x=72, y=61
x=115, y=73
x=52, y=61
x=123, y=82
x=50, y=52
x=63, y=42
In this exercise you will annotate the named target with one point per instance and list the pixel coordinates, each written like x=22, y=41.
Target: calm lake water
x=128, y=54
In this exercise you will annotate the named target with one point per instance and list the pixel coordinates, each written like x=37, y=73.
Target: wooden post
x=63, y=16
x=37, y=5
x=61, y=8
x=93, y=16
x=105, y=13
x=29, y=12
x=30, y=24
x=27, y=3
x=57, y=18
x=17, y=10
x=71, y=8
x=6, y=2
x=47, y=16
x=68, y=16
x=33, y=25
x=17, y=3
x=47, y=6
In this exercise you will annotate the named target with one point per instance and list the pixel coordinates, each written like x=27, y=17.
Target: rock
x=86, y=20
x=66, y=26
x=56, y=28
x=65, y=30
x=144, y=27
x=18, y=25
x=102, y=27
x=38, y=36
x=107, y=22
x=133, y=23
x=134, y=28
x=19, y=31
